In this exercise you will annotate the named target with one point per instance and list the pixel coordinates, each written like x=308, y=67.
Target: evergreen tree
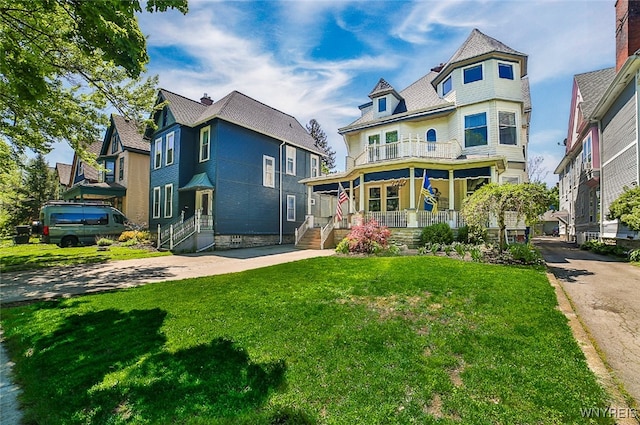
x=39, y=186
x=329, y=159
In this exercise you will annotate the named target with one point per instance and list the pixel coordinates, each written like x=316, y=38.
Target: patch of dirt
x=394, y=306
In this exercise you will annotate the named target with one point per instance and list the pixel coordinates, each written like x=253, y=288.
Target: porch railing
x=411, y=145
x=178, y=231
x=325, y=232
x=389, y=219
x=451, y=217
x=300, y=231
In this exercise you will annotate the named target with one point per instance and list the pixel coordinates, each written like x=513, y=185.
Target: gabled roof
x=420, y=96
x=90, y=173
x=592, y=86
x=476, y=46
x=383, y=88
x=130, y=133
x=244, y=111
x=185, y=111
x=64, y=173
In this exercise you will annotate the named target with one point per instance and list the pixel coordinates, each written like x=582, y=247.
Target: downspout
x=280, y=160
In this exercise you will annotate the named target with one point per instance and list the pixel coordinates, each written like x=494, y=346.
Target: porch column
x=351, y=200
x=412, y=189
x=452, y=203
x=309, y=194
x=362, y=208
x=494, y=174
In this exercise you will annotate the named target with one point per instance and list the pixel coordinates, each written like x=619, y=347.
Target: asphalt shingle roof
x=245, y=111
x=130, y=134
x=64, y=173
x=478, y=44
x=592, y=86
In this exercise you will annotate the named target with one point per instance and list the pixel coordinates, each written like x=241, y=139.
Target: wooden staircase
x=311, y=240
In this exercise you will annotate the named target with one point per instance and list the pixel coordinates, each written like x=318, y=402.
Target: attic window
x=472, y=74
x=505, y=70
x=382, y=104
x=447, y=86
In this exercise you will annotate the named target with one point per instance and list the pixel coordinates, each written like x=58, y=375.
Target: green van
x=79, y=223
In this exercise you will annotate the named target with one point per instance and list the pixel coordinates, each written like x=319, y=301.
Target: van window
x=96, y=218
x=66, y=218
x=118, y=218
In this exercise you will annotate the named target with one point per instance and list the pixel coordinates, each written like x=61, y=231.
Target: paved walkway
x=57, y=282
x=605, y=295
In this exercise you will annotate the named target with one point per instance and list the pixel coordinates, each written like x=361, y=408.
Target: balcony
x=409, y=146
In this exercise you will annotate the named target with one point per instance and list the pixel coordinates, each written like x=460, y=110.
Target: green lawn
x=335, y=340
x=37, y=255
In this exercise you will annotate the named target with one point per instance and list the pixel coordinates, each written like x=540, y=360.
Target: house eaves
x=406, y=116
x=628, y=72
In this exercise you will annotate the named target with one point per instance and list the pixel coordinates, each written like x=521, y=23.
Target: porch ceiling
x=445, y=165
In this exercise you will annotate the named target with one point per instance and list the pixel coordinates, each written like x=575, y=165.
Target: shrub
x=461, y=249
x=133, y=234
x=437, y=233
x=368, y=238
x=476, y=254
x=525, y=254
x=104, y=242
x=634, y=255
x=463, y=234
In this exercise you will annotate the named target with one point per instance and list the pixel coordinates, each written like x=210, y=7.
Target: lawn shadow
x=215, y=380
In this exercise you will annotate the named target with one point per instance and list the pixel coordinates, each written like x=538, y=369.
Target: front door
x=204, y=200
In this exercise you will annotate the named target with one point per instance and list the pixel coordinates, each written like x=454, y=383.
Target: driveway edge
x=592, y=354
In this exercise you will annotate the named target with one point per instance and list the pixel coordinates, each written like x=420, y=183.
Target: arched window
x=431, y=135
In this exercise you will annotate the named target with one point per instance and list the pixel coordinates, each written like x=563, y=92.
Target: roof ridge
x=179, y=95
x=264, y=104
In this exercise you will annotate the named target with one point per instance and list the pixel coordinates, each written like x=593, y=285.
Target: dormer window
x=382, y=104
x=472, y=74
x=505, y=70
x=447, y=86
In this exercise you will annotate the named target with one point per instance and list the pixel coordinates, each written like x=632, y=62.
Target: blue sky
x=320, y=59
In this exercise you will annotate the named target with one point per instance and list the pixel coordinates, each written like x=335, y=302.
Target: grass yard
x=37, y=255
x=332, y=340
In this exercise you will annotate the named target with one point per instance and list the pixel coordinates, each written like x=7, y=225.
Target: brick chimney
x=206, y=100
x=627, y=30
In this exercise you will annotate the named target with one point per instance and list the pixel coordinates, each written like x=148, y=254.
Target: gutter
x=280, y=161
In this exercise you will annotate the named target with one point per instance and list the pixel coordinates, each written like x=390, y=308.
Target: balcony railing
x=409, y=146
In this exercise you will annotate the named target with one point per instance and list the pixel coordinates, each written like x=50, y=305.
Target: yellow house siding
x=136, y=180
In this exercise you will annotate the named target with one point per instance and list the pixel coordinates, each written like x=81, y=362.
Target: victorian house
x=464, y=124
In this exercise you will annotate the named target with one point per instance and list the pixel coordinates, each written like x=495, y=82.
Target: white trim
x=290, y=154
x=513, y=71
x=200, y=156
x=171, y=140
x=291, y=209
x=515, y=125
x=623, y=150
x=265, y=170
x=156, y=196
x=315, y=167
x=475, y=65
x=157, y=158
x=168, y=206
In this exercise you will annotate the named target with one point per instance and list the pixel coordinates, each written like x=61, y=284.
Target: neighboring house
x=611, y=122
x=63, y=172
x=466, y=123
x=235, y=165
x=579, y=170
x=123, y=176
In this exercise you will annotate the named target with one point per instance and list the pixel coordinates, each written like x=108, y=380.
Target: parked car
x=79, y=223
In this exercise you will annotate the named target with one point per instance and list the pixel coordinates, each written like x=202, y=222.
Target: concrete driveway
x=57, y=282
x=605, y=294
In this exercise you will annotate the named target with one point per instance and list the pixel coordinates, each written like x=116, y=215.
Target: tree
x=535, y=170
x=10, y=197
x=528, y=200
x=329, y=159
x=626, y=208
x=39, y=186
x=63, y=62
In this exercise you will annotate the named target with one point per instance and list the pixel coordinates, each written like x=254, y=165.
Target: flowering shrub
x=368, y=238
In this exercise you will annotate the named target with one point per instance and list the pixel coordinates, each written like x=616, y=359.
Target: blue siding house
x=227, y=172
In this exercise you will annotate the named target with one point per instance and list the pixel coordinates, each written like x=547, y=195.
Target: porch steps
x=311, y=240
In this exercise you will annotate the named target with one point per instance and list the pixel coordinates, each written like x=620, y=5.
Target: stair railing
x=300, y=231
x=325, y=232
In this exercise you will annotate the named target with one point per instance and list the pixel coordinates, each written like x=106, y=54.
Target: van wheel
x=69, y=241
